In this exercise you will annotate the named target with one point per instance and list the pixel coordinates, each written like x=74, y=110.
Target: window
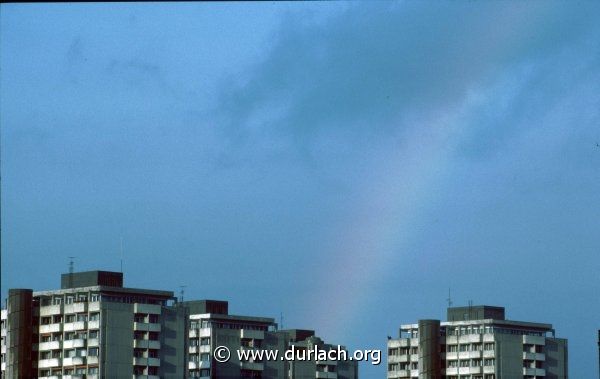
x=93, y=351
x=93, y=334
x=205, y=341
x=69, y=353
x=488, y=346
x=452, y=348
x=81, y=317
x=57, y=301
x=205, y=357
x=69, y=300
x=488, y=362
x=93, y=370
x=94, y=316
x=464, y=363
x=70, y=318
x=46, y=320
x=94, y=297
x=464, y=347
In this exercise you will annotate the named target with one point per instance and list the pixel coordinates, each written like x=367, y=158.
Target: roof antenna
x=281, y=319
x=121, y=254
x=71, y=270
x=449, y=299
x=182, y=288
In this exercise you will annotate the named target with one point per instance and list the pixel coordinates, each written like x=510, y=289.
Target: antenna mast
x=449, y=299
x=121, y=254
x=181, y=291
x=71, y=270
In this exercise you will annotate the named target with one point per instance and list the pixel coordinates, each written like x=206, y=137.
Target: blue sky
x=341, y=163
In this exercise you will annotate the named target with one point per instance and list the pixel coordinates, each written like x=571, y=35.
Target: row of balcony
x=58, y=309
x=146, y=344
x=82, y=307
x=199, y=365
x=470, y=370
x=70, y=361
x=146, y=327
x=199, y=349
x=141, y=361
x=202, y=332
x=327, y=375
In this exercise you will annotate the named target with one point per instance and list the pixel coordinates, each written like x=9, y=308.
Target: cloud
x=373, y=67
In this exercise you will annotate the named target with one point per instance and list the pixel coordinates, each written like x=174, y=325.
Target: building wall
x=19, y=334
x=116, y=339
x=556, y=358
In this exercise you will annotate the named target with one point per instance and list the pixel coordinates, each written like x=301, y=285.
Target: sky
x=337, y=166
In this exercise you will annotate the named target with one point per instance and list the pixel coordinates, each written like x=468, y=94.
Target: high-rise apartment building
x=211, y=326
x=93, y=327
x=477, y=342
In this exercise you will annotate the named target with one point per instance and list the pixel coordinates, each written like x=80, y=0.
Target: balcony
x=152, y=309
x=534, y=340
x=199, y=365
x=146, y=344
x=71, y=361
x=146, y=327
x=475, y=354
x=92, y=342
x=256, y=366
x=52, y=362
x=69, y=344
x=51, y=345
x=141, y=361
x=531, y=371
x=50, y=310
x=94, y=324
x=328, y=375
x=475, y=370
x=92, y=360
x=76, y=308
x=77, y=325
x=50, y=328
x=489, y=353
x=255, y=334
x=94, y=306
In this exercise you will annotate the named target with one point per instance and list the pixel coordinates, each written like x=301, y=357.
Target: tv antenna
x=121, y=254
x=449, y=299
x=71, y=270
x=181, y=291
